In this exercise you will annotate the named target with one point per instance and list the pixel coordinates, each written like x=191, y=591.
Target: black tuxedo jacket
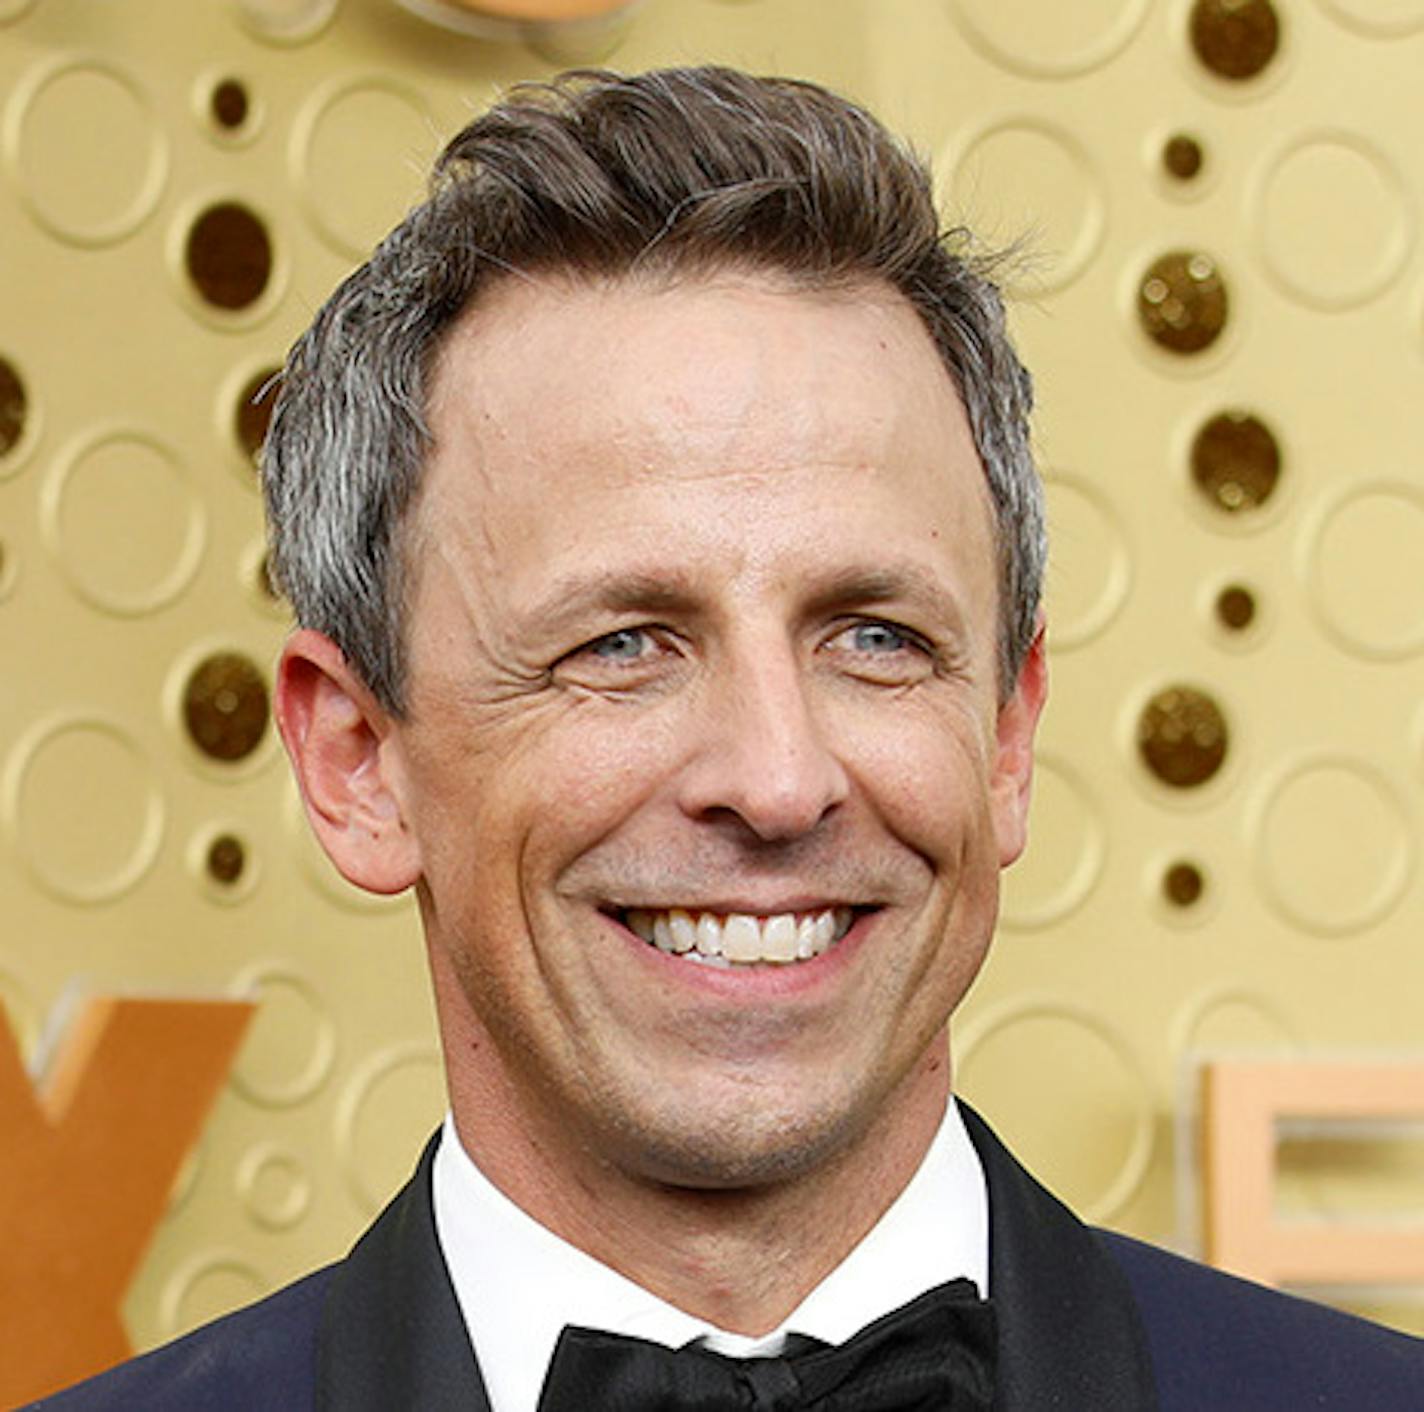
x=1088, y=1322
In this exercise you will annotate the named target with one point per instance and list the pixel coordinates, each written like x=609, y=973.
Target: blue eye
x=879, y=637
x=625, y=645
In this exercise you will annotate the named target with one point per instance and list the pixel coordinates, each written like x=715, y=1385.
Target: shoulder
x=261, y=1357
x=1217, y=1341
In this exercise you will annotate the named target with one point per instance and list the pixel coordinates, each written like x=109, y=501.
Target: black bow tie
x=935, y=1353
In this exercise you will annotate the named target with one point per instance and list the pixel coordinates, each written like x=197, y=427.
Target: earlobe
x=1013, y=769
x=338, y=737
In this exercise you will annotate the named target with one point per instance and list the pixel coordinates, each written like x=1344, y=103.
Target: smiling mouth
x=738, y=938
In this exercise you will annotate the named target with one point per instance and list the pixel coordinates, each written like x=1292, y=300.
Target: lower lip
x=769, y=978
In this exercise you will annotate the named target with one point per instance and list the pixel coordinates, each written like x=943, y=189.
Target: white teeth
x=805, y=938
x=683, y=930
x=740, y=938
x=709, y=935
x=778, y=938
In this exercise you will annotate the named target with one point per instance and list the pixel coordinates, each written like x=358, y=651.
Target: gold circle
x=14, y=404
x=1183, y=884
x=1236, y=462
x=1182, y=302
x=1235, y=39
x=1182, y=737
x=225, y=706
x=1182, y=157
x=1236, y=607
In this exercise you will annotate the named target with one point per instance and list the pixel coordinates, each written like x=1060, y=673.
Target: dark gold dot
x=13, y=406
x=226, y=859
x=1236, y=607
x=225, y=706
x=253, y=413
x=1182, y=737
x=229, y=256
x=1236, y=462
x=228, y=104
x=1182, y=156
x=1182, y=301
x=1183, y=884
x=1235, y=39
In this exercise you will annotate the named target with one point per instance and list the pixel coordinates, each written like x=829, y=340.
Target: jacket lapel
x=1069, y=1333
x=392, y=1334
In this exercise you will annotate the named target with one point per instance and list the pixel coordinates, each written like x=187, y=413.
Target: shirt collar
x=518, y=1284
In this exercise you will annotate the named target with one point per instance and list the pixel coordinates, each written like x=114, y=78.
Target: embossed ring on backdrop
x=1067, y=843
x=274, y=1184
x=389, y=1107
x=1028, y=184
x=1232, y=1019
x=9, y=570
x=1380, y=19
x=1090, y=565
x=1333, y=843
x=1306, y=246
x=118, y=477
x=1049, y=41
x=290, y=1050
x=80, y=798
x=285, y=22
x=1359, y=555
x=1085, y=1123
x=206, y=1286
x=346, y=130
x=84, y=150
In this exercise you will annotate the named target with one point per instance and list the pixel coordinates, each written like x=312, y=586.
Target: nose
x=763, y=758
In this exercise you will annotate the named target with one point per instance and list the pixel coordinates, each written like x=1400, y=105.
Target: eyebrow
x=579, y=593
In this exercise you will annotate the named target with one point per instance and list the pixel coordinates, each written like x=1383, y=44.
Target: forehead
x=762, y=412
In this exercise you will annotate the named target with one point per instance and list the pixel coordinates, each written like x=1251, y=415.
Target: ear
x=1013, y=765
x=339, y=739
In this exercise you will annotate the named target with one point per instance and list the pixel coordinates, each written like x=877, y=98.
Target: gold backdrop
x=1223, y=296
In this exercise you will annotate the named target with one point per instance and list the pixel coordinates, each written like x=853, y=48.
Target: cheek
x=926, y=775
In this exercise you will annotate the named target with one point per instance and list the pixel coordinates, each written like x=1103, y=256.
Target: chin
x=738, y=1144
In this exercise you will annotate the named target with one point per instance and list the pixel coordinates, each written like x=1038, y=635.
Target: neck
x=741, y=1258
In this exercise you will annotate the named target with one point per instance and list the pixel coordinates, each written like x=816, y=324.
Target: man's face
x=702, y=650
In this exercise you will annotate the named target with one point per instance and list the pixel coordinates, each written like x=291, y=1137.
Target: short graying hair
x=669, y=174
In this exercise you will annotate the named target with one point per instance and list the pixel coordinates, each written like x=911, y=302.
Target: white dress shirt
x=518, y=1284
